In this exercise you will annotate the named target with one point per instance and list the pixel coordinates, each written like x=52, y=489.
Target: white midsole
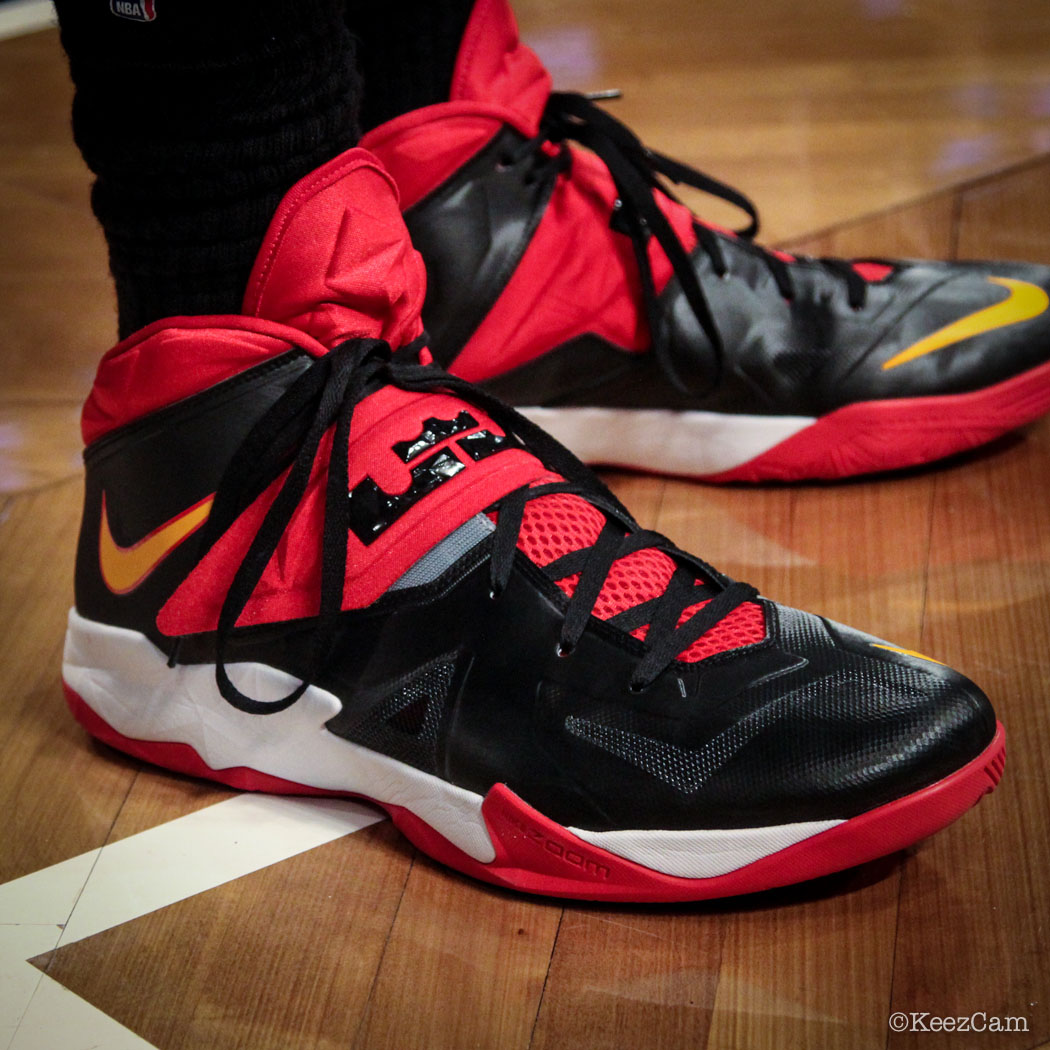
x=702, y=854
x=690, y=443
x=125, y=679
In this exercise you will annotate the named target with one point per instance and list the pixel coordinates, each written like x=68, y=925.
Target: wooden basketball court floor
x=139, y=908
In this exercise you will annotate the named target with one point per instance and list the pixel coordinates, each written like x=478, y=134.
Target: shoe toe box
x=863, y=723
x=843, y=724
x=965, y=326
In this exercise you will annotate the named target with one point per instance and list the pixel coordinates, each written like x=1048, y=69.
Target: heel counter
x=87, y=577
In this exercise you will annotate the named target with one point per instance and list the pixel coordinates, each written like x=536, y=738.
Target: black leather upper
x=812, y=724
x=806, y=356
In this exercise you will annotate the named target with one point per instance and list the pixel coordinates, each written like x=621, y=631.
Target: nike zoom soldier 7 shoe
x=572, y=284
x=313, y=563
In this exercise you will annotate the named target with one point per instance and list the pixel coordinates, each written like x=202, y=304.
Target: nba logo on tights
x=136, y=10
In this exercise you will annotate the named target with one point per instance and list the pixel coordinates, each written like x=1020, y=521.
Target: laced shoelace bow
x=286, y=440
x=636, y=171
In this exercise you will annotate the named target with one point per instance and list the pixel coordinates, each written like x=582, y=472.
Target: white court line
x=26, y=16
x=131, y=878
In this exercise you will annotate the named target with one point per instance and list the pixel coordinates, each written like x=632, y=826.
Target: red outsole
x=536, y=855
x=875, y=436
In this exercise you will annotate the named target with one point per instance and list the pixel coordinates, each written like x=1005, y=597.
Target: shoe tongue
x=337, y=261
x=494, y=66
x=337, y=264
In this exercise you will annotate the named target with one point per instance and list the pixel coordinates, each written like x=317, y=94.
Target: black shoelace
x=286, y=440
x=636, y=172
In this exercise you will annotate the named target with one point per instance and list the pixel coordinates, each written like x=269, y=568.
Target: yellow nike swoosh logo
x=1024, y=302
x=124, y=568
x=907, y=652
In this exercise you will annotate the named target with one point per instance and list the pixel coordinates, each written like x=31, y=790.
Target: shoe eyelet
x=505, y=163
x=636, y=690
x=563, y=651
x=495, y=593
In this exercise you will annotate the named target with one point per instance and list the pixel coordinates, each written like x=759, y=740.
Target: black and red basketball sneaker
x=572, y=284
x=309, y=563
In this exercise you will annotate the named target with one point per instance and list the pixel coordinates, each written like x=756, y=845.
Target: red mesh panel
x=568, y=585
x=555, y=525
x=633, y=580
x=872, y=271
x=745, y=625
